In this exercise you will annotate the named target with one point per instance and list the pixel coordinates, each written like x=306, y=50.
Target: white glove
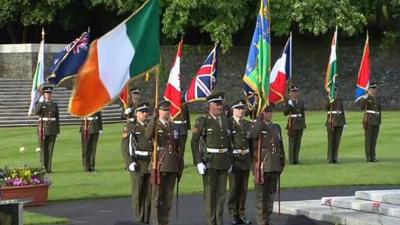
x=345, y=126
x=290, y=102
x=127, y=111
x=201, y=168
x=41, y=99
x=230, y=169
x=100, y=131
x=132, y=167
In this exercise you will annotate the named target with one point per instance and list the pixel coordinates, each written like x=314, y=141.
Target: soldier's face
x=267, y=116
x=135, y=97
x=164, y=113
x=239, y=112
x=294, y=94
x=47, y=95
x=216, y=108
x=141, y=116
x=372, y=91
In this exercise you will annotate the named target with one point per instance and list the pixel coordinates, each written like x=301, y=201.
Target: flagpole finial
x=43, y=33
x=88, y=29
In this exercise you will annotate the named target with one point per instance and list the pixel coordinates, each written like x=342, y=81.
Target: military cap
x=238, y=104
x=135, y=90
x=48, y=88
x=216, y=97
x=294, y=88
x=164, y=105
x=143, y=107
x=372, y=85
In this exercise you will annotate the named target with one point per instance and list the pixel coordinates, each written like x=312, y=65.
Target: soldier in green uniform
x=90, y=129
x=335, y=121
x=269, y=161
x=182, y=121
x=238, y=179
x=49, y=126
x=139, y=152
x=371, y=121
x=169, y=163
x=294, y=110
x=212, y=155
x=129, y=116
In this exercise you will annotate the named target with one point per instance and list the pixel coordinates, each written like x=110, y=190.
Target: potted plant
x=26, y=183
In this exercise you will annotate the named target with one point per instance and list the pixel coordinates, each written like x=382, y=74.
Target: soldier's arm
x=187, y=117
x=286, y=108
x=363, y=103
x=195, y=142
x=328, y=105
x=255, y=129
x=125, y=150
x=100, y=120
x=344, y=115
x=57, y=115
x=150, y=128
x=38, y=108
x=283, y=158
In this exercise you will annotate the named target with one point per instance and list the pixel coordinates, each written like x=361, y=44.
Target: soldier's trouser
x=46, y=151
x=238, y=183
x=265, y=195
x=141, y=196
x=294, y=145
x=161, y=202
x=89, y=148
x=334, y=136
x=214, y=186
x=371, y=136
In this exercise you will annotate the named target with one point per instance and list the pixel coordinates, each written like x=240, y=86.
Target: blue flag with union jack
x=67, y=63
x=204, y=82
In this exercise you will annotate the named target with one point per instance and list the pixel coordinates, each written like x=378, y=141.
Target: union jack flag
x=205, y=80
x=79, y=43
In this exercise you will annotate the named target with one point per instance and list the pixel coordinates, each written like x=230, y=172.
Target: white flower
x=22, y=149
x=37, y=149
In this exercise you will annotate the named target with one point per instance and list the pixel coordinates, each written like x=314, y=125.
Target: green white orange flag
x=128, y=51
x=38, y=78
x=331, y=72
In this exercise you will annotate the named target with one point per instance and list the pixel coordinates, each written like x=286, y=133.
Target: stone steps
x=387, y=196
x=314, y=210
x=362, y=205
x=378, y=207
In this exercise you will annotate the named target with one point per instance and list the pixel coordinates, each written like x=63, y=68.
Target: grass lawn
x=31, y=218
x=110, y=180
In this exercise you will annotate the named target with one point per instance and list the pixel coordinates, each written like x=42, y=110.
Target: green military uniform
x=169, y=164
x=238, y=179
x=49, y=127
x=139, y=151
x=90, y=129
x=272, y=157
x=371, y=123
x=211, y=146
x=294, y=109
x=182, y=121
x=130, y=117
x=335, y=121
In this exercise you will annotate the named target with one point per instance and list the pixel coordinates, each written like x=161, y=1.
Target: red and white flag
x=173, y=90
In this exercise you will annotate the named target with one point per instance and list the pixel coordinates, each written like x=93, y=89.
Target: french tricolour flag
x=280, y=74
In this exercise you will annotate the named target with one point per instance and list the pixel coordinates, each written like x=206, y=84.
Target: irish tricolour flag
x=38, y=78
x=129, y=50
x=331, y=72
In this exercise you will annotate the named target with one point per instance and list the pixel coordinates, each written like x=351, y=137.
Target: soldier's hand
x=127, y=111
x=100, y=131
x=230, y=169
x=132, y=167
x=201, y=168
x=41, y=99
x=290, y=102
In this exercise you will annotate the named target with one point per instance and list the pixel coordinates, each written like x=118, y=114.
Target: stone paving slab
x=314, y=210
x=384, y=196
x=362, y=205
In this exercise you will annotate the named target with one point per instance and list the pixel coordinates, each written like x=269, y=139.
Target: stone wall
x=309, y=65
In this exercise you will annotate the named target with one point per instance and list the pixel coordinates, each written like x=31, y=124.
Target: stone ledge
x=384, y=196
x=30, y=48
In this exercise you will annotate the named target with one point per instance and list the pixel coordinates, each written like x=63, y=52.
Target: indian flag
x=38, y=78
x=129, y=50
x=331, y=72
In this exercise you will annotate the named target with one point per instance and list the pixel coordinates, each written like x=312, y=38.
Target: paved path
x=118, y=211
